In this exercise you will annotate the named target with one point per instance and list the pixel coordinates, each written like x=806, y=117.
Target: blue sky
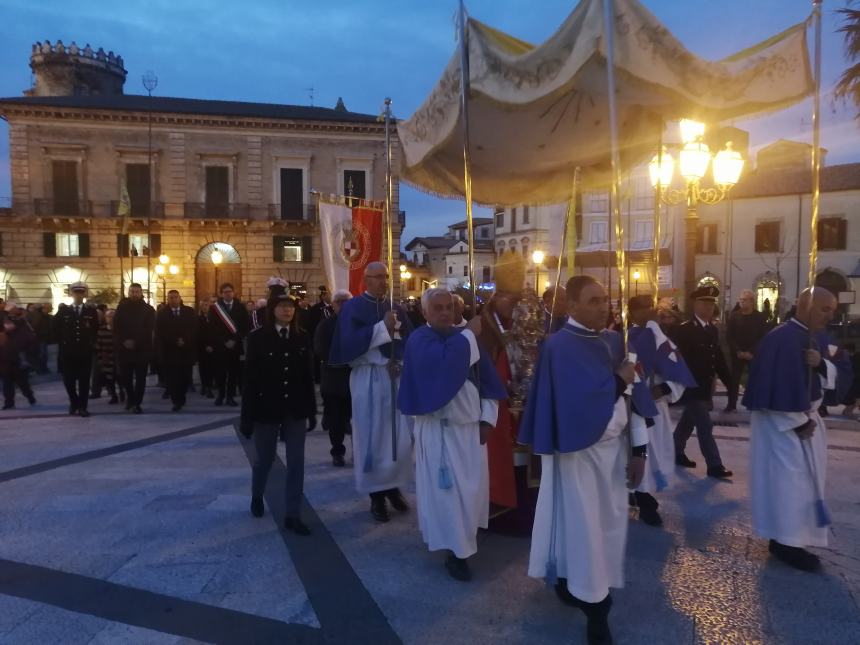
x=364, y=50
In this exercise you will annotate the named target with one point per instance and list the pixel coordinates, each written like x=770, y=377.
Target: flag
x=124, y=209
x=351, y=238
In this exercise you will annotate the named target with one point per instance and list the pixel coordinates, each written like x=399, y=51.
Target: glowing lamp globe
x=695, y=158
x=537, y=257
x=662, y=173
x=217, y=257
x=159, y=269
x=173, y=269
x=691, y=131
x=728, y=165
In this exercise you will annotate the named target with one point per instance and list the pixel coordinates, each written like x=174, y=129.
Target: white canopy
x=535, y=113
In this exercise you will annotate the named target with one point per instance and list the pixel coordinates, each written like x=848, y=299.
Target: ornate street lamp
x=695, y=157
x=162, y=269
x=537, y=259
x=217, y=258
x=404, y=276
x=636, y=276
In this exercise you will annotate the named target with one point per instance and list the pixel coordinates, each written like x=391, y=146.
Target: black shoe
x=121, y=396
x=31, y=399
x=113, y=400
x=794, y=556
x=8, y=406
x=379, y=509
x=730, y=408
x=231, y=402
x=564, y=595
x=84, y=413
x=209, y=394
x=682, y=460
x=337, y=460
x=295, y=525
x=73, y=410
x=220, y=400
x=257, y=506
x=597, y=629
x=398, y=502
x=650, y=516
x=128, y=404
x=137, y=409
x=176, y=408
x=719, y=472
x=458, y=568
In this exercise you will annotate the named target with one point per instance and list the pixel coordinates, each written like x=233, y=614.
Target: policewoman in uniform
x=76, y=327
x=278, y=398
x=699, y=343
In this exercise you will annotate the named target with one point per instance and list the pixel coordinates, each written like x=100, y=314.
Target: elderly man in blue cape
x=369, y=338
x=575, y=419
x=794, y=366
x=452, y=391
x=665, y=374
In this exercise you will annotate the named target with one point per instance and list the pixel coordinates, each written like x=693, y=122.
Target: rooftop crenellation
x=61, y=70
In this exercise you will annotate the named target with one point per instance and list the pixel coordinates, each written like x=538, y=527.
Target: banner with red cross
x=351, y=238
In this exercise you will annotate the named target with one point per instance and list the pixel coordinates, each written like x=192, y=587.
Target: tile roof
x=476, y=221
x=768, y=183
x=437, y=242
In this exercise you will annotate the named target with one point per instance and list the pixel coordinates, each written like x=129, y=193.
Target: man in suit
x=228, y=325
x=316, y=314
x=176, y=331
x=745, y=329
x=334, y=383
x=75, y=328
x=698, y=341
x=133, y=325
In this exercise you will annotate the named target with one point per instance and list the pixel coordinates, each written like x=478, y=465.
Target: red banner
x=367, y=241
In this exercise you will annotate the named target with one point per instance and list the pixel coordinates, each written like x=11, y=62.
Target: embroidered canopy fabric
x=537, y=112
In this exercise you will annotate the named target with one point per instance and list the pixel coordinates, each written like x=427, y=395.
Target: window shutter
x=842, y=235
x=307, y=248
x=49, y=245
x=277, y=248
x=83, y=245
x=155, y=245
x=121, y=245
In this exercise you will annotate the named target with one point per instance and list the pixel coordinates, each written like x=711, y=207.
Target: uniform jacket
x=700, y=347
x=169, y=329
x=218, y=333
x=279, y=382
x=134, y=320
x=76, y=334
x=334, y=379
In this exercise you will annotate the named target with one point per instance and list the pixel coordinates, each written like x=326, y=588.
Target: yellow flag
x=124, y=209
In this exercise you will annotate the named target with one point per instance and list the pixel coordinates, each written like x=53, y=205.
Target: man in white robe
x=368, y=337
x=575, y=419
x=454, y=404
x=788, y=450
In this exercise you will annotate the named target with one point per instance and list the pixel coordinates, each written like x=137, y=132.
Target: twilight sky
x=364, y=50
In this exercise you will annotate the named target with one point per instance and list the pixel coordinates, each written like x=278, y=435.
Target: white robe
x=449, y=518
x=372, y=407
x=781, y=484
x=589, y=502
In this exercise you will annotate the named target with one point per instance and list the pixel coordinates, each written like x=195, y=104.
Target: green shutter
x=49, y=245
x=277, y=248
x=155, y=245
x=307, y=248
x=121, y=245
x=83, y=245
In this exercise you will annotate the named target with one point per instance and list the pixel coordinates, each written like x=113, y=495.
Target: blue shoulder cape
x=779, y=376
x=664, y=360
x=572, y=395
x=436, y=366
x=354, y=329
x=643, y=402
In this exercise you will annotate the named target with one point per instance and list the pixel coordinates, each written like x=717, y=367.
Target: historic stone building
x=233, y=177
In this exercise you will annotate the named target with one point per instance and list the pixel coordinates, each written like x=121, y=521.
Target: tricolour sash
x=225, y=318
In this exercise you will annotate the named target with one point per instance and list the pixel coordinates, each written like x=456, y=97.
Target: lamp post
x=537, y=259
x=404, y=276
x=695, y=156
x=216, y=258
x=162, y=269
x=636, y=276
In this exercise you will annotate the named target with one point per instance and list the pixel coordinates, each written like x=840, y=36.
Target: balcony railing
x=293, y=212
x=49, y=207
x=203, y=210
x=139, y=211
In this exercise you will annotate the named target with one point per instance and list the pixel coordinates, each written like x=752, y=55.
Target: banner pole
x=816, y=144
x=388, y=196
x=657, y=223
x=568, y=240
x=467, y=161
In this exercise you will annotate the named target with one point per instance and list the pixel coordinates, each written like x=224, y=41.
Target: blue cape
x=436, y=366
x=643, y=402
x=659, y=360
x=354, y=329
x=572, y=395
x=779, y=376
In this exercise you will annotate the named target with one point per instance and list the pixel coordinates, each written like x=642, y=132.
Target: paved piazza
x=135, y=529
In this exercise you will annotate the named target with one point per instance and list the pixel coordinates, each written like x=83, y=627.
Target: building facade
x=197, y=177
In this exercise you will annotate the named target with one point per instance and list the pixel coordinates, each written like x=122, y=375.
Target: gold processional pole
x=467, y=161
x=816, y=144
x=568, y=238
x=657, y=232
x=388, y=195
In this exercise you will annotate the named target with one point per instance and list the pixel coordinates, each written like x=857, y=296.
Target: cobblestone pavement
x=135, y=529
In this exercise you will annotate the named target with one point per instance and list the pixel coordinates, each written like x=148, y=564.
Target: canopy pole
x=620, y=254
x=568, y=239
x=657, y=223
x=816, y=144
x=467, y=160
x=388, y=195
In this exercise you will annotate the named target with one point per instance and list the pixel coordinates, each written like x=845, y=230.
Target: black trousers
x=337, y=414
x=177, y=377
x=266, y=446
x=697, y=414
x=133, y=373
x=204, y=366
x=738, y=367
x=76, y=378
x=228, y=373
x=16, y=376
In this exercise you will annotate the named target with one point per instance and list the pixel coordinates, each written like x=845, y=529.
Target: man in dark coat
x=228, y=325
x=18, y=344
x=334, y=383
x=176, y=331
x=76, y=328
x=698, y=341
x=745, y=329
x=133, y=326
x=319, y=312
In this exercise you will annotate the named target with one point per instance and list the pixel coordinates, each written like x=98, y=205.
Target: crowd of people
x=427, y=400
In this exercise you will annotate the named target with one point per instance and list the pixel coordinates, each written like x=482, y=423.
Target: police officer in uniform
x=698, y=341
x=76, y=327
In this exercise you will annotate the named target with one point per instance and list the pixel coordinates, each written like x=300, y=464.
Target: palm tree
x=848, y=86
